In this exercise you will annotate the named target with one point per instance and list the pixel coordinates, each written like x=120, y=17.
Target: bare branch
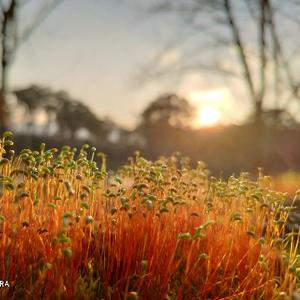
x=294, y=87
x=207, y=19
x=42, y=16
x=240, y=47
x=263, y=58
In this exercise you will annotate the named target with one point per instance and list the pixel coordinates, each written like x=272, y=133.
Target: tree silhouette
x=266, y=56
x=168, y=109
x=70, y=115
x=11, y=39
x=165, y=123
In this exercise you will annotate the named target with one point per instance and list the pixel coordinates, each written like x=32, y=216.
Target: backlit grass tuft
x=153, y=230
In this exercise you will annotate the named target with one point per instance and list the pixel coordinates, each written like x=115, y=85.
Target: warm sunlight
x=208, y=116
x=212, y=96
x=212, y=106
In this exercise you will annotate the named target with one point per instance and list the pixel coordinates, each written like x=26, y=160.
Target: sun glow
x=208, y=116
x=211, y=96
x=212, y=106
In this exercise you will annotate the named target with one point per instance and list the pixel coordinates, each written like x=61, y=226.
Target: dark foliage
x=163, y=130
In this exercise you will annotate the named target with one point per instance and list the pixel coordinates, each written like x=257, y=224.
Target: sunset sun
x=208, y=116
x=211, y=105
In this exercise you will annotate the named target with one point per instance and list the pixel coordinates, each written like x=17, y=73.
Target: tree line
x=164, y=128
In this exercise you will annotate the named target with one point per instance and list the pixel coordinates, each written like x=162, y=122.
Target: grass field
x=152, y=230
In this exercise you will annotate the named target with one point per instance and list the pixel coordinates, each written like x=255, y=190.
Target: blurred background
x=216, y=80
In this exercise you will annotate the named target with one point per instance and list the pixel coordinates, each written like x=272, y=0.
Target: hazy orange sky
x=95, y=49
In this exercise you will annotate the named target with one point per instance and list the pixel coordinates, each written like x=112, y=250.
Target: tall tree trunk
x=3, y=124
x=240, y=46
x=3, y=91
x=262, y=63
x=8, y=19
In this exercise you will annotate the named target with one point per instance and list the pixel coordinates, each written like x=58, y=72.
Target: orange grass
x=287, y=182
x=154, y=230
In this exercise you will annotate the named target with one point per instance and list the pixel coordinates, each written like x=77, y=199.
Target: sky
x=97, y=50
